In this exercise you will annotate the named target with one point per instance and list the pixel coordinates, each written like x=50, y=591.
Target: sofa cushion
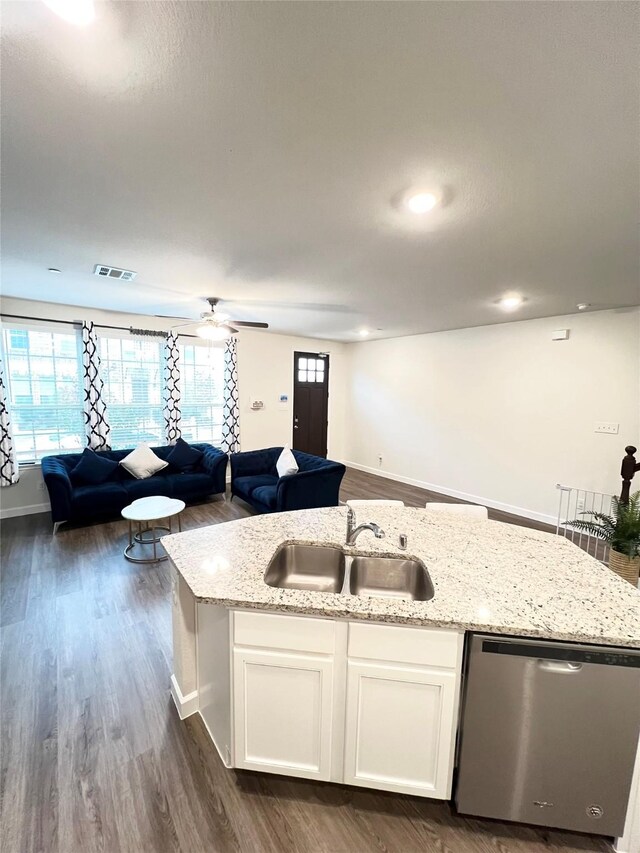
x=102, y=499
x=265, y=495
x=190, y=484
x=92, y=469
x=247, y=485
x=143, y=462
x=183, y=457
x=148, y=488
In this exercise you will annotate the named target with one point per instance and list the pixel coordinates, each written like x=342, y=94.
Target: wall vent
x=114, y=272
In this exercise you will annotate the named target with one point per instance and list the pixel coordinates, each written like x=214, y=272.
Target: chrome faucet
x=353, y=532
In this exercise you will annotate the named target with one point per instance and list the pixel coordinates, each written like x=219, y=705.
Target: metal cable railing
x=572, y=503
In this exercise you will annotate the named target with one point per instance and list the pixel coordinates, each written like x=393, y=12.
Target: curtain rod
x=130, y=329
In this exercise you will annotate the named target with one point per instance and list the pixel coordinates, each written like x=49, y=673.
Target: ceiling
x=256, y=151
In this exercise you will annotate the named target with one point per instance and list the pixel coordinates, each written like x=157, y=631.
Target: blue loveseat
x=254, y=479
x=72, y=502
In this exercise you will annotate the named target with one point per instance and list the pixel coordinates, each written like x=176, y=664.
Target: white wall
x=265, y=370
x=501, y=413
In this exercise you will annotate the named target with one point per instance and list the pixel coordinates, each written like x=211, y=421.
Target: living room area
x=319, y=360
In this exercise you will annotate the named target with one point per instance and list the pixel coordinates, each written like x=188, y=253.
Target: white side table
x=143, y=512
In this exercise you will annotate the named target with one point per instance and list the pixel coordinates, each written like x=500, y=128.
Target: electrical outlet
x=608, y=428
x=41, y=486
x=380, y=460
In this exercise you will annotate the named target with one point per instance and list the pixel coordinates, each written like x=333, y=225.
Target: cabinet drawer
x=294, y=633
x=427, y=646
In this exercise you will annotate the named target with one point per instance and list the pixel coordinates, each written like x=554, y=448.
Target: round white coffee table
x=143, y=512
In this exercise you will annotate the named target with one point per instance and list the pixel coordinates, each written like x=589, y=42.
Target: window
x=132, y=371
x=202, y=383
x=44, y=386
x=133, y=374
x=44, y=379
x=310, y=369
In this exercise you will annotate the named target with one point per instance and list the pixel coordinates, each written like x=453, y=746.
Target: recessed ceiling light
x=77, y=12
x=364, y=333
x=421, y=202
x=54, y=270
x=582, y=306
x=510, y=301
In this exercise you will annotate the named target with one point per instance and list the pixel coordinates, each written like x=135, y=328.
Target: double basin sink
x=327, y=568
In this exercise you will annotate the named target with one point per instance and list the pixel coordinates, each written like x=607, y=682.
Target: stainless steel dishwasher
x=549, y=733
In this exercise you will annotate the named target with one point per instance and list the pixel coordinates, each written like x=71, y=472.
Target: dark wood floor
x=94, y=757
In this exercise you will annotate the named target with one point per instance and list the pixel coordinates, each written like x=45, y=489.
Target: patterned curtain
x=231, y=409
x=172, y=389
x=96, y=425
x=9, y=473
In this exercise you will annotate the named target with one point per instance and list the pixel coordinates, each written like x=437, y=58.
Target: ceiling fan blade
x=230, y=328
x=251, y=325
x=171, y=317
x=182, y=325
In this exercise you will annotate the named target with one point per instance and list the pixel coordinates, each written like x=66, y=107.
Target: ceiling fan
x=216, y=326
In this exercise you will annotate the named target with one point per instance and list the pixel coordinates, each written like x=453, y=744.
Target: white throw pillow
x=143, y=462
x=286, y=463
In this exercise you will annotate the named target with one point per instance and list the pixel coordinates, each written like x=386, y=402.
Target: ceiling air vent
x=114, y=272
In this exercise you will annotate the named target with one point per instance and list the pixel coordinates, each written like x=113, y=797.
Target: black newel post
x=628, y=469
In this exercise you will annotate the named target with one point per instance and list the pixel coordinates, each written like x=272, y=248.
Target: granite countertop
x=487, y=576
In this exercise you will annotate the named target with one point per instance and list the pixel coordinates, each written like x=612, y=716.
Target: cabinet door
x=282, y=713
x=400, y=728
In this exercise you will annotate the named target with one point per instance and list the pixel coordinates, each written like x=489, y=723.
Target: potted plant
x=622, y=531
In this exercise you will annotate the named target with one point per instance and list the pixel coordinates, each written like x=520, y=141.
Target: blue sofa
x=71, y=502
x=254, y=479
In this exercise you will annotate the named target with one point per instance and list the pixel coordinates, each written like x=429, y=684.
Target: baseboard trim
x=224, y=757
x=186, y=705
x=30, y=509
x=454, y=493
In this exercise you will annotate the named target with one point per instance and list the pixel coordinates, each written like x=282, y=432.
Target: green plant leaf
x=621, y=530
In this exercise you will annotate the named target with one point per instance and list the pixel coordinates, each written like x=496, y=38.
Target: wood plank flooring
x=94, y=757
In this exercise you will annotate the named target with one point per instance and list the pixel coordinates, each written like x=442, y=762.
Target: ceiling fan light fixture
x=213, y=333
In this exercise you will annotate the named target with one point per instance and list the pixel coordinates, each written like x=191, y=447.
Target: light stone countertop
x=488, y=576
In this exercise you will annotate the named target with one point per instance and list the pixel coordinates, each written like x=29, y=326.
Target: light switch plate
x=608, y=428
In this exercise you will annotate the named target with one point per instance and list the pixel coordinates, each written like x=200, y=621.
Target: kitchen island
x=334, y=687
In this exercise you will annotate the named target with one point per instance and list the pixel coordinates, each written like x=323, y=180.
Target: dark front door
x=310, y=402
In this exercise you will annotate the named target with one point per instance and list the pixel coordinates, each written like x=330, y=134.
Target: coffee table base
x=138, y=538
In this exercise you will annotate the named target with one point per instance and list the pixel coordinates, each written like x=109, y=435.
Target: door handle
x=295, y=426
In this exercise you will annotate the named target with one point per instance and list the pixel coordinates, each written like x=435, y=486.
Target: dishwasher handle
x=566, y=667
x=560, y=653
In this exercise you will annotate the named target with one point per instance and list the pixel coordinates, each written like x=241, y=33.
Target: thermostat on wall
x=560, y=335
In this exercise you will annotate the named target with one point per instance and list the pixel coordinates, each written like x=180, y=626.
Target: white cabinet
x=366, y=704
x=283, y=712
x=400, y=728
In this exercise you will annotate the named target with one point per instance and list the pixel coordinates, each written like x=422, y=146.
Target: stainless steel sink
x=315, y=567
x=323, y=568
x=390, y=577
